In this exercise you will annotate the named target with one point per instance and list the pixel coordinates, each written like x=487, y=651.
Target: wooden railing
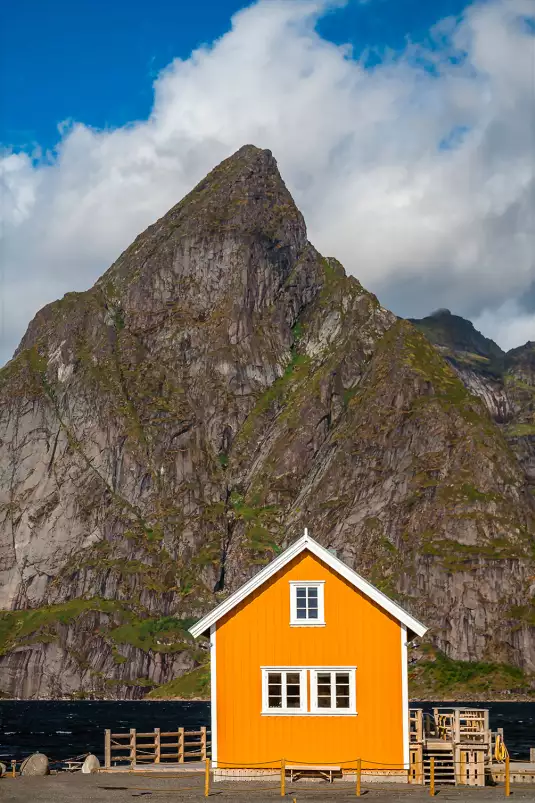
x=463, y=725
x=457, y=725
x=155, y=747
x=416, y=764
x=416, y=731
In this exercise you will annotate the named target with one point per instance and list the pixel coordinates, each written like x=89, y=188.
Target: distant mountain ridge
x=167, y=432
x=505, y=381
x=451, y=331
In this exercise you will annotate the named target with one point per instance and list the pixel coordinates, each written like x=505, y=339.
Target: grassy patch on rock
x=40, y=624
x=167, y=634
x=440, y=677
x=125, y=626
x=194, y=685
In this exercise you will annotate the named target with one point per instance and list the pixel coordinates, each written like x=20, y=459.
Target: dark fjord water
x=66, y=729
x=63, y=729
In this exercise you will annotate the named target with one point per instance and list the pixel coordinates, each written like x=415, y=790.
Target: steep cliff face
x=504, y=381
x=222, y=385
x=520, y=383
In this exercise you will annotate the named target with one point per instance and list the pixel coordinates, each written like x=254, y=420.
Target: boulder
x=91, y=764
x=3, y=769
x=35, y=765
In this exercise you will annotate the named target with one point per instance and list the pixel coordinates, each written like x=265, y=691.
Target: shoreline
x=513, y=698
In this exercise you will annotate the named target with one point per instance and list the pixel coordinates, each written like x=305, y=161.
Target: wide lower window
x=284, y=691
x=332, y=691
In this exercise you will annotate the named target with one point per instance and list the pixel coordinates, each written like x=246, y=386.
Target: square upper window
x=307, y=603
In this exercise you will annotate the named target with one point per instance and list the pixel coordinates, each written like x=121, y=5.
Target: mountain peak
x=454, y=332
x=443, y=312
x=242, y=197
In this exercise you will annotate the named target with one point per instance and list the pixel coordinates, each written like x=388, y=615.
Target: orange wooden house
x=309, y=664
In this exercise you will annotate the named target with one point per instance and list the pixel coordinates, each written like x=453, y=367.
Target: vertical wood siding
x=357, y=633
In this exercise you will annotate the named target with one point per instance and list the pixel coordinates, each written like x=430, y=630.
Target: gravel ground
x=78, y=788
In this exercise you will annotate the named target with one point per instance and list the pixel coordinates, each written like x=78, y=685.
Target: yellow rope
x=500, y=750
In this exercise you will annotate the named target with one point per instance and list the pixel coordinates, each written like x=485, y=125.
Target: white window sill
x=284, y=713
x=330, y=713
x=309, y=713
x=307, y=624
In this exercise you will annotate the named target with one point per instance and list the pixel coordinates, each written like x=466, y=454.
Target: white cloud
x=423, y=226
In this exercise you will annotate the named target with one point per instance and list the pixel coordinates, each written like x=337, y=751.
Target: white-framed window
x=284, y=690
x=332, y=690
x=307, y=606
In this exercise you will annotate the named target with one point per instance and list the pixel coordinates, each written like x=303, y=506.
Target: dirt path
x=77, y=788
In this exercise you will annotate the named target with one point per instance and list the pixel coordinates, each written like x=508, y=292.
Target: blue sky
x=411, y=157
x=95, y=60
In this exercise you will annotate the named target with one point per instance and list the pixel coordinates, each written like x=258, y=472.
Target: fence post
x=421, y=771
x=132, y=747
x=157, y=745
x=107, y=749
x=359, y=775
x=13, y=768
x=207, y=778
x=203, y=743
x=432, y=777
x=283, y=777
x=181, y=745
x=532, y=755
x=507, y=777
x=457, y=726
x=419, y=725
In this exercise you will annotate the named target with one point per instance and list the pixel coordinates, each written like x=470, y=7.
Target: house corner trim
x=213, y=693
x=405, y=695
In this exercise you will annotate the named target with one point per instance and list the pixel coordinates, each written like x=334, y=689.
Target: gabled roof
x=302, y=544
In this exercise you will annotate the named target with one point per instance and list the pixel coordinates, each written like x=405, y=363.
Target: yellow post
x=359, y=774
x=14, y=768
x=283, y=777
x=207, y=778
x=432, y=777
x=507, y=777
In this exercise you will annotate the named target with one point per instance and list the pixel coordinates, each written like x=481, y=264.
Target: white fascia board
x=367, y=588
x=213, y=693
x=246, y=589
x=306, y=542
x=405, y=697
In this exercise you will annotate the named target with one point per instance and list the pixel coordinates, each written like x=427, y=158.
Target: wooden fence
x=155, y=747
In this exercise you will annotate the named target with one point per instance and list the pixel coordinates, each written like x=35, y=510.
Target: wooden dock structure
x=520, y=772
x=458, y=740
x=160, y=750
x=448, y=746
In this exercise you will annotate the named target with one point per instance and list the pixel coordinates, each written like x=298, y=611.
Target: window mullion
x=283, y=691
x=333, y=690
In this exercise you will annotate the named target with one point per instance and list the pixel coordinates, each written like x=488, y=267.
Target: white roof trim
x=306, y=542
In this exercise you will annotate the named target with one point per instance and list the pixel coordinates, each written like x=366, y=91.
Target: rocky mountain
x=165, y=433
